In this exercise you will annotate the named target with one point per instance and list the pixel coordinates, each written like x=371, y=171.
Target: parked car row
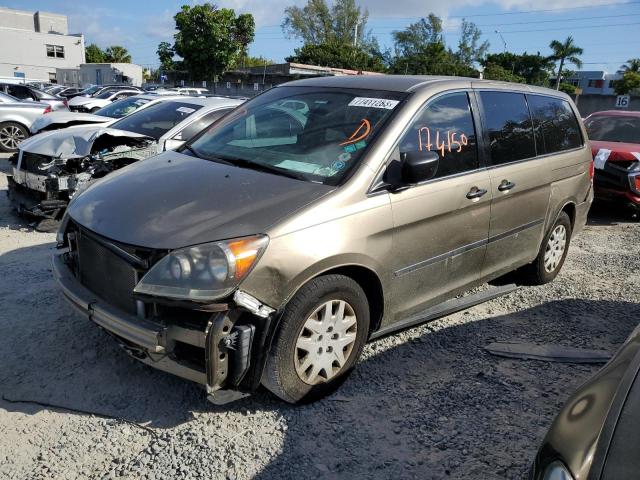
x=53, y=166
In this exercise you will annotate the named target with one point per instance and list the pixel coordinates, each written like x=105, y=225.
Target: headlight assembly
x=557, y=471
x=204, y=272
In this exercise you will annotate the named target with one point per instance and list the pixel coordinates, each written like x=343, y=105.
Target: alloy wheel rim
x=325, y=342
x=555, y=248
x=11, y=136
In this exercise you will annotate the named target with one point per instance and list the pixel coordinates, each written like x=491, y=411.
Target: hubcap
x=11, y=136
x=325, y=342
x=555, y=248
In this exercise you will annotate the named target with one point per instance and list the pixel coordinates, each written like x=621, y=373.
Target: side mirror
x=419, y=166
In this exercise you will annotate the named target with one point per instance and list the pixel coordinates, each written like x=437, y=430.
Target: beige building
x=35, y=44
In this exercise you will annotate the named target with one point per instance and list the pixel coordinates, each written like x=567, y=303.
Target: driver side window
x=445, y=126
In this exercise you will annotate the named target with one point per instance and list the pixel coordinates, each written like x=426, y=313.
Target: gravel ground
x=426, y=403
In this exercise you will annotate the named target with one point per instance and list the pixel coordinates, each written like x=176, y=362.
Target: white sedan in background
x=93, y=104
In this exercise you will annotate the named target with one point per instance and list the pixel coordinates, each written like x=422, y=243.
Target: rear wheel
x=321, y=336
x=11, y=134
x=551, y=255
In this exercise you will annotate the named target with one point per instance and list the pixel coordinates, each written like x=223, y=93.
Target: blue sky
x=606, y=29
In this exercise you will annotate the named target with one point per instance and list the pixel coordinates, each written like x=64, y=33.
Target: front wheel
x=551, y=255
x=11, y=134
x=321, y=335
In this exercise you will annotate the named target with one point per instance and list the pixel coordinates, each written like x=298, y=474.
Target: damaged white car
x=54, y=166
x=106, y=115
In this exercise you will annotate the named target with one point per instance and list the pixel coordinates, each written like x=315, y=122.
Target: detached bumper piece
x=217, y=356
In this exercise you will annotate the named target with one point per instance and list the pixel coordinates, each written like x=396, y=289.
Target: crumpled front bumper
x=154, y=343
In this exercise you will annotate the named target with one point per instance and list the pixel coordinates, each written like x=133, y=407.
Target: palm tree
x=632, y=65
x=117, y=54
x=566, y=51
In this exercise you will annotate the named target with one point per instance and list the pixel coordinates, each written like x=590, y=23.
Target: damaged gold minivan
x=322, y=214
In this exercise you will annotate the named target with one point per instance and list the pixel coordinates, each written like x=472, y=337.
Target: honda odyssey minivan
x=319, y=215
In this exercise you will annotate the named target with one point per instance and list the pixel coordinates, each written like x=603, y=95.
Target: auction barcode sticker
x=373, y=103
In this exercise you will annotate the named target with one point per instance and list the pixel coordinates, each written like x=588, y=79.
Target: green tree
x=317, y=24
x=338, y=56
x=93, y=54
x=535, y=69
x=249, y=61
x=566, y=51
x=493, y=71
x=117, y=54
x=632, y=65
x=567, y=88
x=165, y=54
x=420, y=49
x=209, y=39
x=630, y=83
x=470, y=50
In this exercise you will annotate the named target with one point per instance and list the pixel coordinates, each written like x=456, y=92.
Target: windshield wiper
x=244, y=163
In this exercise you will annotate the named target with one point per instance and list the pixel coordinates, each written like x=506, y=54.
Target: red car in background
x=615, y=144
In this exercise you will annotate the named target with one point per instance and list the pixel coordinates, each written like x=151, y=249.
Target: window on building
x=612, y=83
x=446, y=127
x=508, y=122
x=555, y=125
x=55, y=51
x=596, y=83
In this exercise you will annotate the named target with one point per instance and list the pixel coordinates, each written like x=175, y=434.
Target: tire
x=551, y=255
x=94, y=109
x=11, y=134
x=285, y=374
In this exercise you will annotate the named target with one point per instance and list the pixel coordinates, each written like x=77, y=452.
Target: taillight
x=66, y=103
x=47, y=110
x=592, y=169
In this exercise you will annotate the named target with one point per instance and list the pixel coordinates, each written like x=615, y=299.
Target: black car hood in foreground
x=596, y=433
x=174, y=200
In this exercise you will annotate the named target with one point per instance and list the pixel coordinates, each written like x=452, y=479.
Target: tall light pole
x=355, y=36
x=503, y=40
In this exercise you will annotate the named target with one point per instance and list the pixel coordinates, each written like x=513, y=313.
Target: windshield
x=106, y=95
x=316, y=134
x=613, y=128
x=121, y=108
x=157, y=119
x=90, y=90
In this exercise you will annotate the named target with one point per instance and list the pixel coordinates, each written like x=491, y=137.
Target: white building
x=34, y=44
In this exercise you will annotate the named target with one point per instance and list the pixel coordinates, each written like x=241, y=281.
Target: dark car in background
x=615, y=144
x=596, y=436
x=30, y=94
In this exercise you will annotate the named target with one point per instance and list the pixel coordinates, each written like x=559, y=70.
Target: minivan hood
x=175, y=200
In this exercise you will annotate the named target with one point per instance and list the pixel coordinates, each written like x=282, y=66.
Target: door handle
x=476, y=192
x=506, y=185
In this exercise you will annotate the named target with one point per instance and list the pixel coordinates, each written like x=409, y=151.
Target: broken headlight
x=204, y=272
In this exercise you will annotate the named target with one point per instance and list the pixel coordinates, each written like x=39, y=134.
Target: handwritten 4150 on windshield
x=449, y=144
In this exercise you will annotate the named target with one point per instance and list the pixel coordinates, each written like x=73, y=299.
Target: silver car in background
x=26, y=93
x=16, y=118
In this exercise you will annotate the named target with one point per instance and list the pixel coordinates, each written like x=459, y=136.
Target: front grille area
x=106, y=274
x=32, y=162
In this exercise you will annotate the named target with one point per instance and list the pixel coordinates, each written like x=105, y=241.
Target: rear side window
x=508, y=123
x=554, y=123
x=446, y=127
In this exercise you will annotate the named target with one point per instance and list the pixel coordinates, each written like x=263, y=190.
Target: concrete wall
x=104, y=73
x=588, y=104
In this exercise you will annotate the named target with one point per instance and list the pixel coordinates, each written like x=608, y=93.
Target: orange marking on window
x=449, y=144
x=355, y=137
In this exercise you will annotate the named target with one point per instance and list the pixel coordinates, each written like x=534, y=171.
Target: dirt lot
x=427, y=403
